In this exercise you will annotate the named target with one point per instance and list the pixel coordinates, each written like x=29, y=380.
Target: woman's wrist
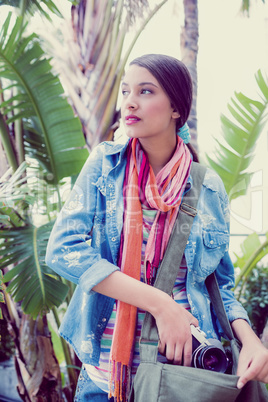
x=244, y=333
x=158, y=302
x=122, y=287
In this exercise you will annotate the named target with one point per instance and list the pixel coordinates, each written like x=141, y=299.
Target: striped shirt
x=100, y=375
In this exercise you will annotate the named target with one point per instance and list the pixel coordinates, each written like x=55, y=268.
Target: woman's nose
x=131, y=102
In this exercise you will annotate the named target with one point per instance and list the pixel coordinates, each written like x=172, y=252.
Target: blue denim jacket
x=84, y=246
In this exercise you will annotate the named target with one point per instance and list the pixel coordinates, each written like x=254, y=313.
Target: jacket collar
x=120, y=148
x=116, y=148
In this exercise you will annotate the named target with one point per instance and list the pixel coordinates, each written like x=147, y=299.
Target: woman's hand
x=253, y=363
x=173, y=323
x=253, y=358
x=172, y=320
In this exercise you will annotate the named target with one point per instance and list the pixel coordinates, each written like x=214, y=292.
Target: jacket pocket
x=214, y=239
x=215, y=244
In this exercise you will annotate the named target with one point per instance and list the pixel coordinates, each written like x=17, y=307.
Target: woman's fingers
x=161, y=347
x=173, y=324
x=179, y=353
x=187, y=352
x=177, y=348
x=252, y=365
x=170, y=352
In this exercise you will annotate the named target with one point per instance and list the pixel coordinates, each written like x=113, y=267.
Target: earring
x=184, y=133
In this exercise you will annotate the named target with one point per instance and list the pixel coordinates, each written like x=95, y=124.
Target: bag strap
x=217, y=303
x=170, y=264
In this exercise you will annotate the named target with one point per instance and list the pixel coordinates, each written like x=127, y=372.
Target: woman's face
x=146, y=109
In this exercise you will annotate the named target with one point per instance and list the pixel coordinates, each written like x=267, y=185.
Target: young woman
x=112, y=234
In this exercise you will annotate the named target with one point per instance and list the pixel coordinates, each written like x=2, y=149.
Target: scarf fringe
x=120, y=381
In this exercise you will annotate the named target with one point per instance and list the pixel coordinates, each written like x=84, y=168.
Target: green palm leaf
x=232, y=160
x=14, y=194
x=37, y=97
x=23, y=245
x=31, y=6
x=31, y=281
x=253, y=251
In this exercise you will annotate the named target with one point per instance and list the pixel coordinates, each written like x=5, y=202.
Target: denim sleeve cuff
x=237, y=312
x=95, y=274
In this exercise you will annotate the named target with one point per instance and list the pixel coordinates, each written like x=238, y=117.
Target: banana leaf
x=53, y=135
x=232, y=158
x=30, y=281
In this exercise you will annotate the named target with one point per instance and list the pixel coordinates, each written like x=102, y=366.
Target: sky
x=232, y=48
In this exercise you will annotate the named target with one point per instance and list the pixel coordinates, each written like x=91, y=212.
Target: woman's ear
x=175, y=114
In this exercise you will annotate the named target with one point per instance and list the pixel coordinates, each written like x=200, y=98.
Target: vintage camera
x=208, y=354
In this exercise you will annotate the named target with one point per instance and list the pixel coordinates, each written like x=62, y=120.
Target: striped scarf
x=163, y=193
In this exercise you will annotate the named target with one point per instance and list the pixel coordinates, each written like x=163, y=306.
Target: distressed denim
x=87, y=390
x=84, y=247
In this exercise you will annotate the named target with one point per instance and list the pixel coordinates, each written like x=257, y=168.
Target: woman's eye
x=146, y=91
x=124, y=92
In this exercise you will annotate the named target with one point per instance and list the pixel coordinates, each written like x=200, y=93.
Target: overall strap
x=168, y=270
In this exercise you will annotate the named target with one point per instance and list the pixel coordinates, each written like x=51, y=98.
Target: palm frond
x=253, y=251
x=135, y=9
x=30, y=6
x=232, y=159
x=23, y=245
x=39, y=98
x=92, y=69
x=14, y=196
x=246, y=7
x=26, y=246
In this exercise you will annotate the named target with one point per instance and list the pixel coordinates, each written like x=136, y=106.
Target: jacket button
x=113, y=239
x=211, y=242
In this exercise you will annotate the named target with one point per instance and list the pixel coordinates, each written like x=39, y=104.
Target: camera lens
x=214, y=360
x=211, y=358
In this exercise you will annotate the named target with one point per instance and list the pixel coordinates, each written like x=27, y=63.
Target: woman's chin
x=131, y=133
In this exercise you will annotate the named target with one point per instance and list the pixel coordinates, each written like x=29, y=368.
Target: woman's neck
x=159, y=152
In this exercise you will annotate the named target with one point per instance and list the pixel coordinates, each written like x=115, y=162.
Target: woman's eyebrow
x=142, y=83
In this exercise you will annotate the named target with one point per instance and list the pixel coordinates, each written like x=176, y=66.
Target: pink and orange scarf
x=163, y=193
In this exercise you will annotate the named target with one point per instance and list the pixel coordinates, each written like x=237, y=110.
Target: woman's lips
x=132, y=119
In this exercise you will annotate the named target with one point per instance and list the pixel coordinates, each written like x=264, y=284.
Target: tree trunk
x=39, y=374
x=38, y=371
x=189, y=51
